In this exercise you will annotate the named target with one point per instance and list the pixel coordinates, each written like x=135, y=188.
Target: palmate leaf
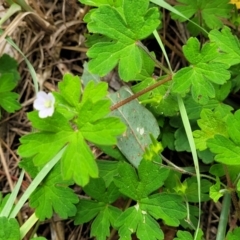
x=123, y=28
x=9, y=229
x=9, y=77
x=228, y=44
x=87, y=121
x=134, y=219
x=99, y=209
x=150, y=177
x=54, y=195
x=227, y=149
x=184, y=235
x=141, y=218
x=97, y=3
x=233, y=235
x=207, y=9
x=202, y=73
x=211, y=123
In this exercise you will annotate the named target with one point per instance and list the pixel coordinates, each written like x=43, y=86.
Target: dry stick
x=138, y=94
x=5, y=168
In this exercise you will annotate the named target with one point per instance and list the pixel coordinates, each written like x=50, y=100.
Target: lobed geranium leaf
x=226, y=146
x=168, y=207
x=214, y=192
x=228, y=44
x=150, y=177
x=9, y=77
x=9, y=65
x=70, y=89
x=97, y=3
x=202, y=73
x=9, y=229
x=184, y=235
x=234, y=234
x=134, y=219
x=100, y=210
x=226, y=151
x=54, y=195
x=233, y=127
x=211, y=123
x=124, y=27
x=206, y=9
x=9, y=102
x=87, y=121
x=191, y=192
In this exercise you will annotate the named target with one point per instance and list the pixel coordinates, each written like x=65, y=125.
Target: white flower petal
x=44, y=103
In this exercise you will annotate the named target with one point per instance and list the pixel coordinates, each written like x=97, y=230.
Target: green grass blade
x=37, y=180
x=28, y=225
x=30, y=67
x=222, y=226
x=167, y=6
x=155, y=33
x=188, y=130
x=9, y=204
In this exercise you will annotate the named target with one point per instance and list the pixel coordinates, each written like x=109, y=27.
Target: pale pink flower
x=44, y=103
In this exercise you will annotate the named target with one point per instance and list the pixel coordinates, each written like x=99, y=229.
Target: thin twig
x=140, y=93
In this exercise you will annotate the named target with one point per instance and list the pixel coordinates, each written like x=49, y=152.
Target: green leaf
x=233, y=127
x=150, y=177
x=7, y=82
x=205, y=10
x=183, y=235
x=136, y=139
x=134, y=22
x=97, y=3
x=191, y=192
x=201, y=73
x=194, y=109
x=100, y=227
x=211, y=123
x=168, y=207
x=9, y=229
x=226, y=151
x=134, y=219
x=181, y=143
x=9, y=77
x=87, y=121
x=105, y=216
x=107, y=170
x=9, y=65
x=38, y=238
x=233, y=235
x=97, y=190
x=103, y=131
x=54, y=195
x=70, y=89
x=228, y=45
x=215, y=192
x=9, y=102
x=87, y=210
x=28, y=165
x=219, y=170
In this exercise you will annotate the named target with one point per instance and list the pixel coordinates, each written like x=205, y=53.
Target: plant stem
x=159, y=64
x=138, y=94
x=224, y=217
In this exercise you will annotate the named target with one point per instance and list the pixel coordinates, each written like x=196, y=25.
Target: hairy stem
x=140, y=93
